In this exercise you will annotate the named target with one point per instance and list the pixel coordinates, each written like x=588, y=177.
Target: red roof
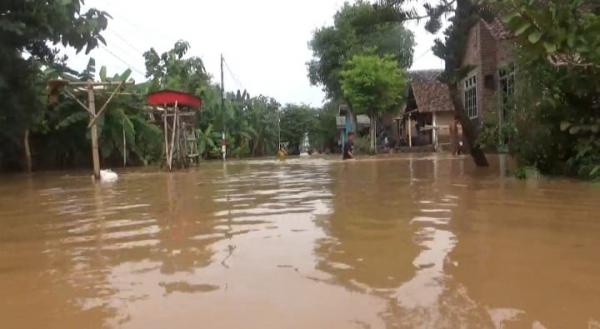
x=172, y=97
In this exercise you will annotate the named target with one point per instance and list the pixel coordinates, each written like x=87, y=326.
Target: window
x=471, y=97
x=506, y=78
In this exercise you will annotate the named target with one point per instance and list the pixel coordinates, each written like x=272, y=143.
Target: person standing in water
x=455, y=136
x=349, y=147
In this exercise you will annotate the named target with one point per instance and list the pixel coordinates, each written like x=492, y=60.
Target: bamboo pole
x=27, y=150
x=105, y=106
x=409, y=131
x=124, y=146
x=166, y=133
x=93, y=130
x=173, y=138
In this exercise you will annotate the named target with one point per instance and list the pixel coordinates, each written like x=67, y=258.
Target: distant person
x=349, y=147
x=455, y=137
x=282, y=153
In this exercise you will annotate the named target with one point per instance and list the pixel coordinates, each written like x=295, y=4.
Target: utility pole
x=55, y=86
x=93, y=128
x=223, y=141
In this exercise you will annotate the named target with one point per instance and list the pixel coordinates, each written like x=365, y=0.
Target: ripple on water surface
x=407, y=242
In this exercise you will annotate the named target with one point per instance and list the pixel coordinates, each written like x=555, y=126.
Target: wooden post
x=166, y=133
x=409, y=131
x=93, y=130
x=27, y=150
x=173, y=137
x=434, y=132
x=124, y=146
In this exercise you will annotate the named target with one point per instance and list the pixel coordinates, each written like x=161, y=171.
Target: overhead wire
x=127, y=64
x=422, y=55
x=234, y=76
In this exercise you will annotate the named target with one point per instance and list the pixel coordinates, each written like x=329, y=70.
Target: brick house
x=490, y=83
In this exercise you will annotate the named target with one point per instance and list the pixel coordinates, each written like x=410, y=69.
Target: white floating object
x=108, y=176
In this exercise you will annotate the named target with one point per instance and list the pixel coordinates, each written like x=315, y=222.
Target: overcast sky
x=264, y=41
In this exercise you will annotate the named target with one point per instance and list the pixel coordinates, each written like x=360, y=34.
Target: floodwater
x=412, y=242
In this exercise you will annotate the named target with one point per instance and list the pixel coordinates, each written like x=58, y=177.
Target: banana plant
x=207, y=141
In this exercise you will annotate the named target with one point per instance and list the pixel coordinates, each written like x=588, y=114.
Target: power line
x=233, y=76
x=156, y=32
x=422, y=55
x=124, y=40
x=123, y=61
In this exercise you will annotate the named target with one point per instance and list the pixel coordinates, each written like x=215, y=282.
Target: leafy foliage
x=557, y=112
x=172, y=71
x=373, y=85
x=296, y=122
x=563, y=32
x=29, y=31
x=357, y=29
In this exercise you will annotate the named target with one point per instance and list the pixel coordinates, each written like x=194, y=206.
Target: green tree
x=323, y=135
x=30, y=32
x=373, y=85
x=171, y=70
x=263, y=115
x=296, y=122
x=358, y=28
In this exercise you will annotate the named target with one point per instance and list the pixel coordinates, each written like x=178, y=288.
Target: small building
x=428, y=113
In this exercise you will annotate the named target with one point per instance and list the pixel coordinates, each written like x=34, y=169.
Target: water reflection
x=415, y=242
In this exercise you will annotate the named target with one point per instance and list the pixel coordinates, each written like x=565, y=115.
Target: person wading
x=455, y=137
x=349, y=147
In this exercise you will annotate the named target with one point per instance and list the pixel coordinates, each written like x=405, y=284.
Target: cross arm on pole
x=105, y=106
x=70, y=94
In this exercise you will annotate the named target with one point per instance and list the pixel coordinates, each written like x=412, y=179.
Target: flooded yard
x=413, y=242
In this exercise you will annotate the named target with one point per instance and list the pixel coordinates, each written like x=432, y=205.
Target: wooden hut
x=176, y=111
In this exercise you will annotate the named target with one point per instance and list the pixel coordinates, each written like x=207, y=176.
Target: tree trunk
x=27, y=151
x=373, y=133
x=469, y=131
x=256, y=145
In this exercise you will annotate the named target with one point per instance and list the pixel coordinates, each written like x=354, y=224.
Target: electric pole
x=93, y=129
x=223, y=141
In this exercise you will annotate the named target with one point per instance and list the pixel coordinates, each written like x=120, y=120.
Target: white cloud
x=263, y=41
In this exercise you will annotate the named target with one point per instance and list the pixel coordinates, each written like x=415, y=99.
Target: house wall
x=488, y=53
x=504, y=54
x=390, y=125
x=485, y=54
x=472, y=57
x=444, y=120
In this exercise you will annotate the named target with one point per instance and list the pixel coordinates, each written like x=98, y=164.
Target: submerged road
x=410, y=242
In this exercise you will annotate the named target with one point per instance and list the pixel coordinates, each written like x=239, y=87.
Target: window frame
x=506, y=87
x=470, y=93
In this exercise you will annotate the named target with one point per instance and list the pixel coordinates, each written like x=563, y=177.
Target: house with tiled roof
x=428, y=112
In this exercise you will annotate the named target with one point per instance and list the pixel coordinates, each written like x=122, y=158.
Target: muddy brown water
x=411, y=242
